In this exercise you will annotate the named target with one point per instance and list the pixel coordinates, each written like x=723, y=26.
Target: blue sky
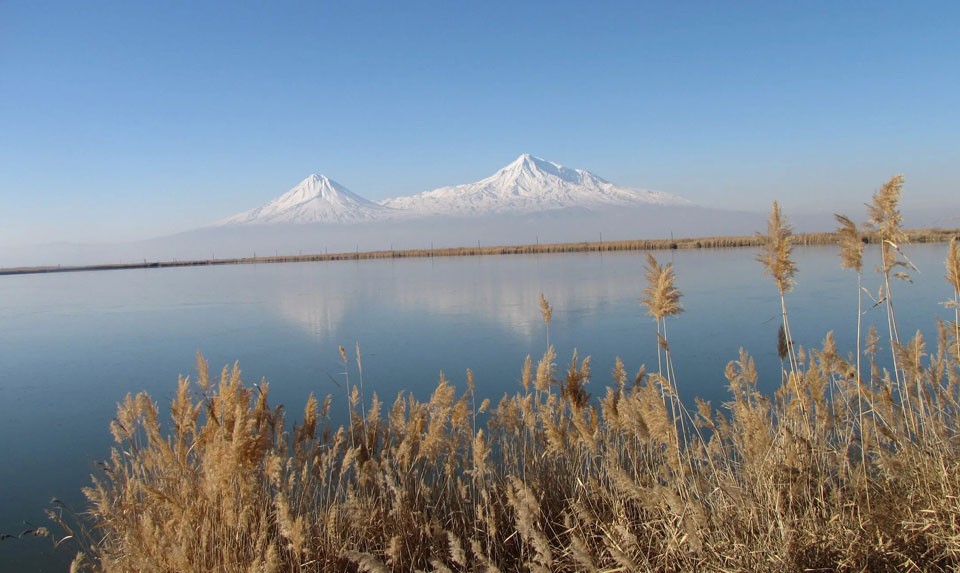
x=124, y=120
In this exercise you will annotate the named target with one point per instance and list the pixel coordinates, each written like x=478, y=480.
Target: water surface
x=73, y=344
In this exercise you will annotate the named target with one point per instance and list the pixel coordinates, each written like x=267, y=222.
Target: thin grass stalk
x=953, y=277
x=671, y=394
x=860, y=397
x=680, y=411
x=921, y=402
x=660, y=337
x=892, y=330
x=346, y=377
x=785, y=320
x=363, y=408
x=851, y=256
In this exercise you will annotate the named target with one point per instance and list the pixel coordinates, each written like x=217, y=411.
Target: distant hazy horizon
x=438, y=232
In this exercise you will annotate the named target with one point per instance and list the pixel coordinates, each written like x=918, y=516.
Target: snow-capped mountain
x=316, y=199
x=530, y=184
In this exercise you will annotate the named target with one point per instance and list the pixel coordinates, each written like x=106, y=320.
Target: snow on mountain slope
x=316, y=199
x=530, y=184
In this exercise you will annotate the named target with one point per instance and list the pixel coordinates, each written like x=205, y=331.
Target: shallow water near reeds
x=73, y=344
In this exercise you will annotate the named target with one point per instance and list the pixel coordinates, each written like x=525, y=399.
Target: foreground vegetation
x=848, y=466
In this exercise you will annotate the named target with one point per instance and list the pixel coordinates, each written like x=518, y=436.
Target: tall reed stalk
x=851, y=257
x=953, y=277
x=662, y=299
x=776, y=257
x=886, y=222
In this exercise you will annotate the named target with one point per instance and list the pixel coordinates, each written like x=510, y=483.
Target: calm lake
x=73, y=344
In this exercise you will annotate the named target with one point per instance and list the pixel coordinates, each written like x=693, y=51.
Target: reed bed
x=848, y=466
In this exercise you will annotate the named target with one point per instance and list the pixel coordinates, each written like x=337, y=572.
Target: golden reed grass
x=837, y=470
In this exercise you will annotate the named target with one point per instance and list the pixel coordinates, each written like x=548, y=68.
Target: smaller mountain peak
x=315, y=185
x=316, y=199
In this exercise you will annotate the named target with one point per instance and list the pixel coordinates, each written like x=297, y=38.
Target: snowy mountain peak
x=537, y=167
x=319, y=186
x=316, y=199
x=529, y=184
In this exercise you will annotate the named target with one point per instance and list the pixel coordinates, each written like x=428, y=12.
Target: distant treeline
x=933, y=235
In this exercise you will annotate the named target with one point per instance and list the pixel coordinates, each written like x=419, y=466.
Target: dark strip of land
x=935, y=235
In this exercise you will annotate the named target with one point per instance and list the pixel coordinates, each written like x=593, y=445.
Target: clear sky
x=123, y=120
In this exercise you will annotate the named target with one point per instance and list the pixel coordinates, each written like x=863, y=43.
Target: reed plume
x=851, y=244
x=546, y=312
x=885, y=220
x=776, y=250
x=661, y=297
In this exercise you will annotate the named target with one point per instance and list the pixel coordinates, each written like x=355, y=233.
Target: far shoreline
x=929, y=235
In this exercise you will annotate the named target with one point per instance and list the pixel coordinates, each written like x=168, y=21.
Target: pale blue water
x=73, y=344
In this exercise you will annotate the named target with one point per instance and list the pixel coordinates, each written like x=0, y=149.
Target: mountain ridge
x=529, y=184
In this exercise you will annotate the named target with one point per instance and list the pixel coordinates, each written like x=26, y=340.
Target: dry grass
x=554, y=482
x=833, y=472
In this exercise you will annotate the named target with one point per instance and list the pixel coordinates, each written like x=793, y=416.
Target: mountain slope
x=316, y=199
x=530, y=184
